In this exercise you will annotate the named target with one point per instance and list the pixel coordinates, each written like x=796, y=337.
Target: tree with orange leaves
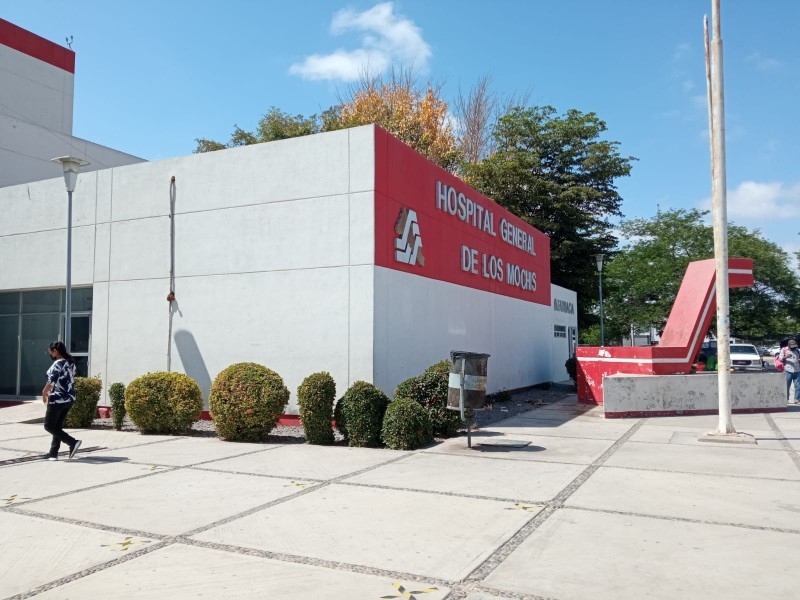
x=416, y=116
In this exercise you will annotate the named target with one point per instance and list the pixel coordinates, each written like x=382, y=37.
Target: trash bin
x=474, y=370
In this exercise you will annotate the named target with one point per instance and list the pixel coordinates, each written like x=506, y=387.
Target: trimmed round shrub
x=406, y=425
x=430, y=390
x=84, y=409
x=116, y=393
x=338, y=417
x=363, y=407
x=163, y=402
x=572, y=368
x=315, y=397
x=246, y=401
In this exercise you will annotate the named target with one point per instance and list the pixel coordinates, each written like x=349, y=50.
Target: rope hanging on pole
x=171, y=295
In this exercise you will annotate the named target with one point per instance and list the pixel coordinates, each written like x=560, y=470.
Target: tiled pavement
x=588, y=509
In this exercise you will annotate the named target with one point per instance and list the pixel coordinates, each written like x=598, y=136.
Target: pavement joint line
x=34, y=456
x=92, y=570
x=86, y=524
x=264, y=475
x=729, y=475
x=787, y=447
x=28, y=437
x=483, y=570
x=92, y=487
x=442, y=493
x=276, y=501
x=537, y=460
x=43, y=452
x=487, y=457
x=316, y=562
x=683, y=519
x=246, y=453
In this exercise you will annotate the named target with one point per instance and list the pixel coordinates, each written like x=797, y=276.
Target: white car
x=773, y=350
x=745, y=357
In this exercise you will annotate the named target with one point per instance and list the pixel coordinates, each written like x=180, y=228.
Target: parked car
x=745, y=357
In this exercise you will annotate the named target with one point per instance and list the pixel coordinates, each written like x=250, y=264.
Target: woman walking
x=790, y=356
x=59, y=396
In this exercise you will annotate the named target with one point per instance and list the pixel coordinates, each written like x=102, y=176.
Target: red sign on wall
x=430, y=223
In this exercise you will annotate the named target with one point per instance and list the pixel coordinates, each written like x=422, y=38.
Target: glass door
x=81, y=341
x=9, y=354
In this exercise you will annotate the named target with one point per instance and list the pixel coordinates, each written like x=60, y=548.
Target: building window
x=29, y=322
x=560, y=331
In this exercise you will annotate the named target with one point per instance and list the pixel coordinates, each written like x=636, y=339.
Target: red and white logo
x=408, y=244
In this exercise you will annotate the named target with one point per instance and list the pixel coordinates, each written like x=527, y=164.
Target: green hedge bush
x=116, y=393
x=429, y=389
x=406, y=425
x=363, y=407
x=315, y=398
x=246, y=401
x=163, y=402
x=87, y=395
x=572, y=368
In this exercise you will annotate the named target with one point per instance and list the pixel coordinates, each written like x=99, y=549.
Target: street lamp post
x=599, y=258
x=72, y=167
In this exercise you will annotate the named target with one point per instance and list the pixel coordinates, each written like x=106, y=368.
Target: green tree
x=415, y=114
x=644, y=277
x=275, y=125
x=558, y=174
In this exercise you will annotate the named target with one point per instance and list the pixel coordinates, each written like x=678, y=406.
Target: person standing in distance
x=790, y=356
x=59, y=396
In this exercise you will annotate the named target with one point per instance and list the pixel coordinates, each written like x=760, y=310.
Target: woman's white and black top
x=791, y=359
x=61, y=375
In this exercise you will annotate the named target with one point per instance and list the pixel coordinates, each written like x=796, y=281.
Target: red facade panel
x=31, y=44
x=430, y=223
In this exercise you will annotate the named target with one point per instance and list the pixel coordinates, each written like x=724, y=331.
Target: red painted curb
x=289, y=420
x=104, y=412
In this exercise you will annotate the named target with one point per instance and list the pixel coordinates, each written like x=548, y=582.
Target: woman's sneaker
x=52, y=458
x=74, y=449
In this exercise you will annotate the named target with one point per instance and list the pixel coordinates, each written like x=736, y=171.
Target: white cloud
x=759, y=201
x=763, y=63
x=681, y=50
x=386, y=37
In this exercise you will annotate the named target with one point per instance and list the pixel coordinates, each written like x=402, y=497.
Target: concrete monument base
x=695, y=394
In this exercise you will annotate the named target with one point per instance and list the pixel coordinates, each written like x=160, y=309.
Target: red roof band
x=33, y=45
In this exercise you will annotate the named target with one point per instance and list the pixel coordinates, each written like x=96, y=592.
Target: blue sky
x=153, y=76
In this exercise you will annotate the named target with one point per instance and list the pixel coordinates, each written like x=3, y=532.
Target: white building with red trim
x=36, y=101
x=346, y=252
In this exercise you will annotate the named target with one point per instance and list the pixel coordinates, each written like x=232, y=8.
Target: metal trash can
x=472, y=366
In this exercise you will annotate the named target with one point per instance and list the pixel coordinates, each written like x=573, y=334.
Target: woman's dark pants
x=54, y=423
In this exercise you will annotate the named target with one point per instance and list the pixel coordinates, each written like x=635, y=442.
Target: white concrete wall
x=26, y=150
x=35, y=91
x=274, y=252
x=418, y=321
x=559, y=347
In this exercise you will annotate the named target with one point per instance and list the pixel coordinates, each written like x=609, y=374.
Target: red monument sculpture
x=681, y=341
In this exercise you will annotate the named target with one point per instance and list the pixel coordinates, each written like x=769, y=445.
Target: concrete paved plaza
x=586, y=508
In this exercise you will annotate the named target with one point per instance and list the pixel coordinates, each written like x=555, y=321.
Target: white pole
x=68, y=305
x=719, y=205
